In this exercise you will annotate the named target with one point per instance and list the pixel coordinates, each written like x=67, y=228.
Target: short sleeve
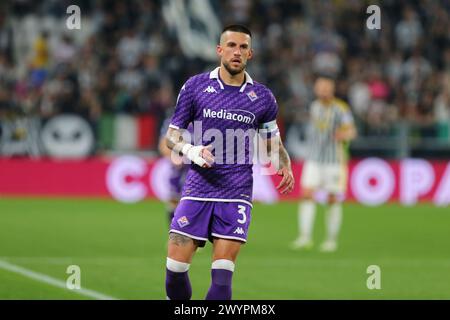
x=268, y=123
x=184, y=108
x=346, y=117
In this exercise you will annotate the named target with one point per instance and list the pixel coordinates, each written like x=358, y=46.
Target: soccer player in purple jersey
x=216, y=197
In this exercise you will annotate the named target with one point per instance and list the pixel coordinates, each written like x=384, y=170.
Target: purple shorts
x=205, y=220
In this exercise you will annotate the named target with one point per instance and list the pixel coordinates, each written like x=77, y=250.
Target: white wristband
x=193, y=154
x=186, y=148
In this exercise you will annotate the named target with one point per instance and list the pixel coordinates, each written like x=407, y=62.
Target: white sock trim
x=223, y=264
x=177, y=266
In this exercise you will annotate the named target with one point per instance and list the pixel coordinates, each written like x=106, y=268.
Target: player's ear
x=219, y=50
x=250, y=54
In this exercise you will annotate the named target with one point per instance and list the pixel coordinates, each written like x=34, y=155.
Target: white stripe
x=223, y=264
x=188, y=235
x=52, y=281
x=174, y=126
x=248, y=79
x=126, y=132
x=220, y=84
x=438, y=262
x=177, y=266
x=217, y=200
x=214, y=74
x=227, y=237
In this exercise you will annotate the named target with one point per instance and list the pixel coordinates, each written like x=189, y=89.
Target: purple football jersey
x=220, y=113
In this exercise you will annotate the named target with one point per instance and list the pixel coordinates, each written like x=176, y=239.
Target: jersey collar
x=215, y=75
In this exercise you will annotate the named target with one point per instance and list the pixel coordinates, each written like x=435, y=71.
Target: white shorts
x=331, y=178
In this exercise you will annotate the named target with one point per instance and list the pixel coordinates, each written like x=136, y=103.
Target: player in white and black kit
x=331, y=129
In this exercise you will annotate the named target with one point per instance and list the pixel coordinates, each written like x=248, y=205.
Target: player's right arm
x=183, y=115
x=200, y=155
x=162, y=147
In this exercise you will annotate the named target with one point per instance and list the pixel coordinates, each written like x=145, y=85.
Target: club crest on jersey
x=252, y=95
x=183, y=221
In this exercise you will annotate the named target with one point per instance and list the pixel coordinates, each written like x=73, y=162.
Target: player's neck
x=231, y=80
x=326, y=102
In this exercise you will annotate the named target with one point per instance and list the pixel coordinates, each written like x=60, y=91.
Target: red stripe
x=147, y=132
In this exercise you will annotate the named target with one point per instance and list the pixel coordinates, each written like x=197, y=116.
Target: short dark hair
x=326, y=76
x=237, y=28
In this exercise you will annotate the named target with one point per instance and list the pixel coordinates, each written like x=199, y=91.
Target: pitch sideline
x=52, y=281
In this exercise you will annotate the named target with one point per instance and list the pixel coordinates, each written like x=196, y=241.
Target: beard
x=232, y=71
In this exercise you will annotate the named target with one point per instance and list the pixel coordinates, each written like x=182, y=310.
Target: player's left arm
x=278, y=153
x=346, y=130
x=275, y=149
x=346, y=133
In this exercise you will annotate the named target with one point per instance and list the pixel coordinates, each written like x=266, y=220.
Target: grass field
x=121, y=251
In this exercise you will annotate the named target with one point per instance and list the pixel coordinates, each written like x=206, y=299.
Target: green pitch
x=121, y=251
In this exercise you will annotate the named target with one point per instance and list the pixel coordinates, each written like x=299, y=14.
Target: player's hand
x=176, y=160
x=208, y=156
x=340, y=135
x=200, y=155
x=346, y=134
x=287, y=183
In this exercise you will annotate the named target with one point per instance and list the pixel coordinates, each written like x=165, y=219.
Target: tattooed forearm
x=275, y=147
x=285, y=160
x=174, y=140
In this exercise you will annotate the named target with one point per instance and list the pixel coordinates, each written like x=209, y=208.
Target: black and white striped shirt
x=325, y=120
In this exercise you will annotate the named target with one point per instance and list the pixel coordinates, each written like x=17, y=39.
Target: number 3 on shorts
x=244, y=216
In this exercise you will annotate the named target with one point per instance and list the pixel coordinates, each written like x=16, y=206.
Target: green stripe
x=106, y=131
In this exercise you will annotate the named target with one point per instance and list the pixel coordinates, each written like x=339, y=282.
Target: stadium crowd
x=133, y=63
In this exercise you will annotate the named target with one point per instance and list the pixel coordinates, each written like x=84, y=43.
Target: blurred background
x=121, y=72
x=82, y=181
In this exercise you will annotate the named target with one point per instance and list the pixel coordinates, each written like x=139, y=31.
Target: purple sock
x=178, y=286
x=220, y=285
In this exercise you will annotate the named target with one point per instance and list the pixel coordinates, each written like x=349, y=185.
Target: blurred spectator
x=359, y=97
x=41, y=52
x=131, y=61
x=64, y=50
x=409, y=30
x=129, y=49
